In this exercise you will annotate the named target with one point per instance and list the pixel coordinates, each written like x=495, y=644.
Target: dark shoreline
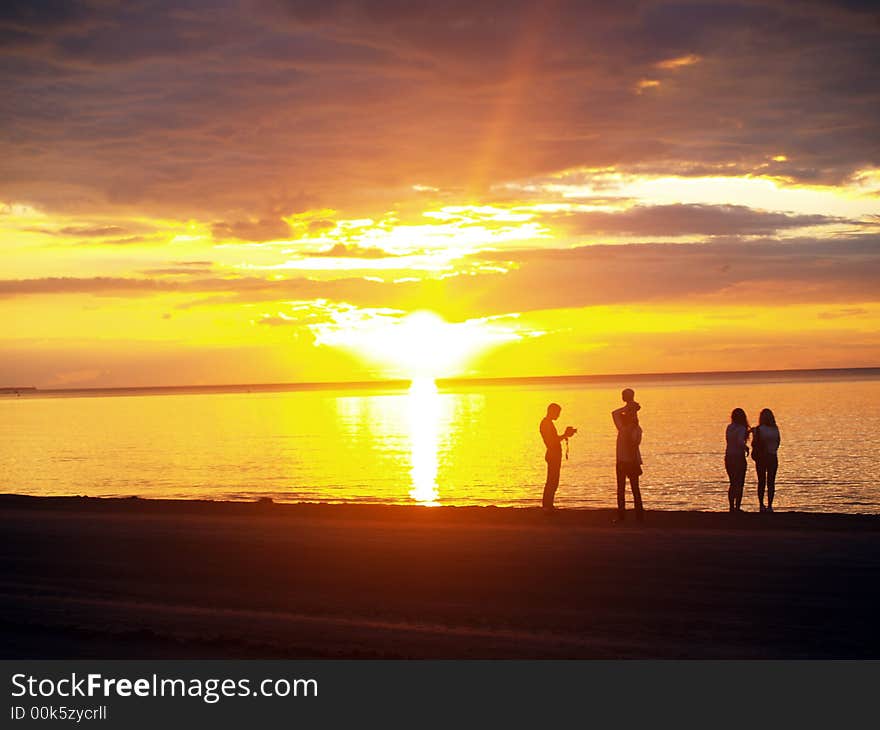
x=420, y=514
x=138, y=578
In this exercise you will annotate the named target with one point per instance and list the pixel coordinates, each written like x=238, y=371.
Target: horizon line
x=400, y=383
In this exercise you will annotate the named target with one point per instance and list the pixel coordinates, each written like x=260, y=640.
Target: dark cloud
x=99, y=237
x=28, y=20
x=126, y=241
x=762, y=272
x=212, y=110
x=74, y=285
x=232, y=288
x=91, y=231
x=682, y=220
x=259, y=230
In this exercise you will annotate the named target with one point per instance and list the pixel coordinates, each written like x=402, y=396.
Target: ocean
x=452, y=443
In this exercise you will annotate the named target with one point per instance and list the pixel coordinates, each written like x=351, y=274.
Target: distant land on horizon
x=402, y=384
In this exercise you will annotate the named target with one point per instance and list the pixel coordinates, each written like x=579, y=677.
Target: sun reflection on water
x=423, y=410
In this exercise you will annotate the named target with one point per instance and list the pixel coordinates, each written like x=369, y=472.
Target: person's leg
x=637, y=494
x=729, y=468
x=552, y=483
x=621, y=491
x=762, y=476
x=772, y=467
x=739, y=483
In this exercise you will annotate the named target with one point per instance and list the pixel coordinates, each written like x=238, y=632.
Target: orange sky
x=279, y=191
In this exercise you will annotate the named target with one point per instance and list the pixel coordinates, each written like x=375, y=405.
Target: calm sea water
x=472, y=445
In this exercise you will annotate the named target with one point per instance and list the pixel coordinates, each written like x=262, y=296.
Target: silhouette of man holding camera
x=553, y=441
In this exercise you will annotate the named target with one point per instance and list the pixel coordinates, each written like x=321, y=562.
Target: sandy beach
x=132, y=578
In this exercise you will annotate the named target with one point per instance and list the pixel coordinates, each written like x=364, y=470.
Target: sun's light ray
x=521, y=72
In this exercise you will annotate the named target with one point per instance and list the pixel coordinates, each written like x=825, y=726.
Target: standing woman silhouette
x=629, y=457
x=737, y=437
x=765, y=445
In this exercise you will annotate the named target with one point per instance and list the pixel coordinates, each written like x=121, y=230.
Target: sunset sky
x=268, y=190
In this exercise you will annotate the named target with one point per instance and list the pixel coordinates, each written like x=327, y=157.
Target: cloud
x=127, y=241
x=684, y=220
x=641, y=350
x=175, y=271
x=176, y=268
x=88, y=231
x=277, y=321
x=68, y=378
x=258, y=230
x=212, y=113
x=761, y=272
x=843, y=313
x=24, y=22
x=150, y=363
x=319, y=226
x=122, y=231
x=232, y=288
x=340, y=250
x=671, y=64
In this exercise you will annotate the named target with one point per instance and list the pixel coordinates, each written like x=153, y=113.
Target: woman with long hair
x=737, y=437
x=765, y=445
